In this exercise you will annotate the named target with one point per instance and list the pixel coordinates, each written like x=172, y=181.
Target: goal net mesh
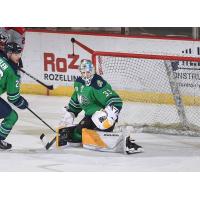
x=161, y=96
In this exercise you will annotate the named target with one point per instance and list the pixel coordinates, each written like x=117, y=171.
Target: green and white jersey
x=94, y=97
x=9, y=80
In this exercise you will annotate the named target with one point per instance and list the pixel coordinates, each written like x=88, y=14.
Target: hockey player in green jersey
x=10, y=83
x=101, y=105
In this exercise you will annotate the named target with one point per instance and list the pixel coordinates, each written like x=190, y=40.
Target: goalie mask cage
x=165, y=90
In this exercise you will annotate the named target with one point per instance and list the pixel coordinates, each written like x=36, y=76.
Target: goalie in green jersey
x=10, y=83
x=102, y=106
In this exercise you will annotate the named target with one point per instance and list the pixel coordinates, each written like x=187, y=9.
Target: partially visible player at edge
x=10, y=83
x=102, y=106
x=14, y=34
x=3, y=40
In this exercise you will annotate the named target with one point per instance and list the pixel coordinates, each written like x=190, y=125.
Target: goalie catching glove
x=105, y=118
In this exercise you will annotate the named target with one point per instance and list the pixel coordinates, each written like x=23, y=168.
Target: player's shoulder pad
x=98, y=82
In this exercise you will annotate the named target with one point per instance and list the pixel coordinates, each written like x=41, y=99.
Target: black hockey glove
x=21, y=103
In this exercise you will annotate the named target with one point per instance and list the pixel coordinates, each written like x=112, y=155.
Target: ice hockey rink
x=162, y=152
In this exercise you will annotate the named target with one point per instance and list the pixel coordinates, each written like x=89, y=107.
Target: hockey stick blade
x=49, y=87
x=49, y=144
x=46, y=144
x=42, y=136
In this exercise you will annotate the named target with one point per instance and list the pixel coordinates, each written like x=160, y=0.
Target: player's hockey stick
x=41, y=119
x=50, y=87
x=48, y=144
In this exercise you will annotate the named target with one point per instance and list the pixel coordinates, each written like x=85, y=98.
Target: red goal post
x=94, y=55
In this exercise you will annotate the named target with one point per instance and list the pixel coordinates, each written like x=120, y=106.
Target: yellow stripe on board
x=146, y=97
x=143, y=97
x=41, y=90
x=158, y=98
x=33, y=89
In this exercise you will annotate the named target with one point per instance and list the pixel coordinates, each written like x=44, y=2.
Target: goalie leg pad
x=63, y=135
x=91, y=137
x=102, y=141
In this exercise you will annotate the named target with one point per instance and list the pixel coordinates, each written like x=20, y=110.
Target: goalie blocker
x=99, y=140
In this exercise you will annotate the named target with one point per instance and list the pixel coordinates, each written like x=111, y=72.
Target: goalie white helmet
x=87, y=71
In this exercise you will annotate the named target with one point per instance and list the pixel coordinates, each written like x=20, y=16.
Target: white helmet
x=87, y=71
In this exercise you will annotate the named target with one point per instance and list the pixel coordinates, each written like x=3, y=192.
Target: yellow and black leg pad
x=92, y=138
x=63, y=135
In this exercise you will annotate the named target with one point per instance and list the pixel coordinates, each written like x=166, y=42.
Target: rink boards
x=132, y=96
x=48, y=57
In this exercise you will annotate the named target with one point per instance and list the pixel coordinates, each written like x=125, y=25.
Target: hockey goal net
x=162, y=93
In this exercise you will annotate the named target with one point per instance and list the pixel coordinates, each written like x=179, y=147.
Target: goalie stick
x=41, y=119
x=50, y=87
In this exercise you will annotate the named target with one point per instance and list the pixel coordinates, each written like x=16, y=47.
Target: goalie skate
x=131, y=147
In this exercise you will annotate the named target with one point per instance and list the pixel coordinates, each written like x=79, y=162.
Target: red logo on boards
x=53, y=64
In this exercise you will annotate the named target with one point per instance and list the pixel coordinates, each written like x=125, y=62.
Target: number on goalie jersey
x=10, y=83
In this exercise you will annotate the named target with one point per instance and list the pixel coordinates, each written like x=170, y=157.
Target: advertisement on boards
x=50, y=57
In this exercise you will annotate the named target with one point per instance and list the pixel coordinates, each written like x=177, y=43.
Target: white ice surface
x=162, y=152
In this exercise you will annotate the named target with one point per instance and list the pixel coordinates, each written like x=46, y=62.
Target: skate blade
x=139, y=150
